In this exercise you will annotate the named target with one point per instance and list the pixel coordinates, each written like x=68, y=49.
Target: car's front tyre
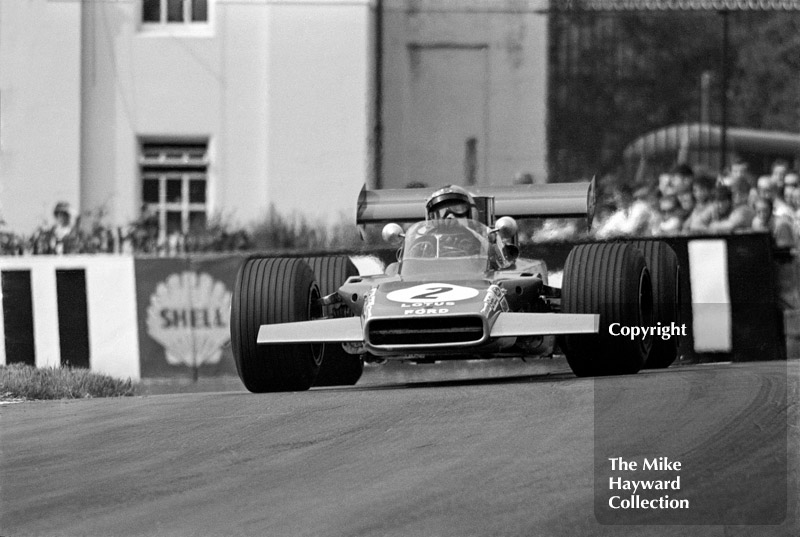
x=269, y=291
x=612, y=280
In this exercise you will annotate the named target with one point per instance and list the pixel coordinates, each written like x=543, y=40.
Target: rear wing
x=549, y=200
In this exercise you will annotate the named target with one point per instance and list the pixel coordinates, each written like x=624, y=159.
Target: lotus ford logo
x=188, y=315
x=429, y=293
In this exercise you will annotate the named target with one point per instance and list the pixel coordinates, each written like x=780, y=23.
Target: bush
x=27, y=382
x=280, y=232
x=141, y=236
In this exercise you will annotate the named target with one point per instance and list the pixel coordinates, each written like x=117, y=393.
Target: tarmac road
x=501, y=456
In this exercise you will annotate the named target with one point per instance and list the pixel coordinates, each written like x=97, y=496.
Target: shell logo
x=189, y=316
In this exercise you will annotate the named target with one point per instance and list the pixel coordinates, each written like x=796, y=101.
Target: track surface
x=501, y=456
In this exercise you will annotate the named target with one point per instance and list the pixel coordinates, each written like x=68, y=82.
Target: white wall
x=40, y=107
x=110, y=304
x=319, y=97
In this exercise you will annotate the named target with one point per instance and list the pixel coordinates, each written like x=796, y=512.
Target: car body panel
x=350, y=329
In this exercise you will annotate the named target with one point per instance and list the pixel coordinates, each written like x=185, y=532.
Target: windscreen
x=454, y=246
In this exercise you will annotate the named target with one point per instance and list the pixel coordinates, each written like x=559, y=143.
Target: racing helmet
x=451, y=201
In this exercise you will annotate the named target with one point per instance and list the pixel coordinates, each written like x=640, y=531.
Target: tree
x=616, y=76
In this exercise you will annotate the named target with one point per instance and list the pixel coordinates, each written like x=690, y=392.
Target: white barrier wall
x=712, y=320
x=110, y=304
x=111, y=313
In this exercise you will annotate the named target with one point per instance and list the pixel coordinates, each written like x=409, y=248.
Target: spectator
x=632, y=217
x=768, y=188
x=740, y=169
x=686, y=202
x=703, y=210
x=732, y=212
x=779, y=170
x=665, y=184
x=143, y=235
x=795, y=202
x=783, y=234
x=63, y=236
x=682, y=178
x=671, y=216
x=790, y=183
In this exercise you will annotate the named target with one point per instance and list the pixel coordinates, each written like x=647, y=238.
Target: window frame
x=186, y=26
x=163, y=169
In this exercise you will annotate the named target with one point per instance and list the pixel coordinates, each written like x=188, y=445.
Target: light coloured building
x=197, y=108
x=203, y=108
x=465, y=91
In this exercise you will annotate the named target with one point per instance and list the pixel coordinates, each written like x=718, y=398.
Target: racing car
x=458, y=290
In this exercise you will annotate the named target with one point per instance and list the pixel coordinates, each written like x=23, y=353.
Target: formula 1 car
x=459, y=290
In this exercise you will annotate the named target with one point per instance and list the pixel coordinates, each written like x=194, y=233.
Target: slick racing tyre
x=612, y=280
x=269, y=291
x=665, y=277
x=338, y=368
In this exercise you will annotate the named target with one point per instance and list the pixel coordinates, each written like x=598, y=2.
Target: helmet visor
x=458, y=209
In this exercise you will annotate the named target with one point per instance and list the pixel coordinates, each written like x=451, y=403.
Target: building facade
x=464, y=91
x=195, y=109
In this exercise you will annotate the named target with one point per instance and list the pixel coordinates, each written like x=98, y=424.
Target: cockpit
x=452, y=245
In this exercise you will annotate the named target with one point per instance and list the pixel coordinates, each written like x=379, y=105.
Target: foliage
x=615, y=76
x=217, y=236
x=765, y=91
x=279, y=232
x=28, y=382
x=275, y=232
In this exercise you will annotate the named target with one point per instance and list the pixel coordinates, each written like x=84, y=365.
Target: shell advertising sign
x=184, y=315
x=189, y=316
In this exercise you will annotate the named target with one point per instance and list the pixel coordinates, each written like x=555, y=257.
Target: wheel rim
x=315, y=312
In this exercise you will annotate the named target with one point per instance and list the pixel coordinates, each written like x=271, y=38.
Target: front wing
x=507, y=324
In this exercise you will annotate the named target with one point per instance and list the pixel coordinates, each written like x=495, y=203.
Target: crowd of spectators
x=683, y=201
x=688, y=201
x=70, y=233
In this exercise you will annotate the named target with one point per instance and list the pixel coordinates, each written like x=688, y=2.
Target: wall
x=40, y=108
x=320, y=73
x=279, y=88
x=454, y=71
x=92, y=324
x=161, y=317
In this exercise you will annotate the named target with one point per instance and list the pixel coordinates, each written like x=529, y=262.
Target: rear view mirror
x=506, y=227
x=392, y=233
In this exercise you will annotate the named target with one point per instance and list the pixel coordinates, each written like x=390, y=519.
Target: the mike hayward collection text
x=628, y=493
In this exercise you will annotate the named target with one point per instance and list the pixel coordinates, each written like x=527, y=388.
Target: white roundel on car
x=429, y=293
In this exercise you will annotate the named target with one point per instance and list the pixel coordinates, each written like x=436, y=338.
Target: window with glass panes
x=174, y=183
x=174, y=11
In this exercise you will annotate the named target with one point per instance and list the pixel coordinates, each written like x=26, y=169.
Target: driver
x=451, y=201
x=449, y=208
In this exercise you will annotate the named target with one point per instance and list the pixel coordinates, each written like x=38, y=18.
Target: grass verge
x=19, y=381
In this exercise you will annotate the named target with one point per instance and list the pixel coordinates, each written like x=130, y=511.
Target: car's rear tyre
x=612, y=280
x=269, y=291
x=338, y=368
x=665, y=277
